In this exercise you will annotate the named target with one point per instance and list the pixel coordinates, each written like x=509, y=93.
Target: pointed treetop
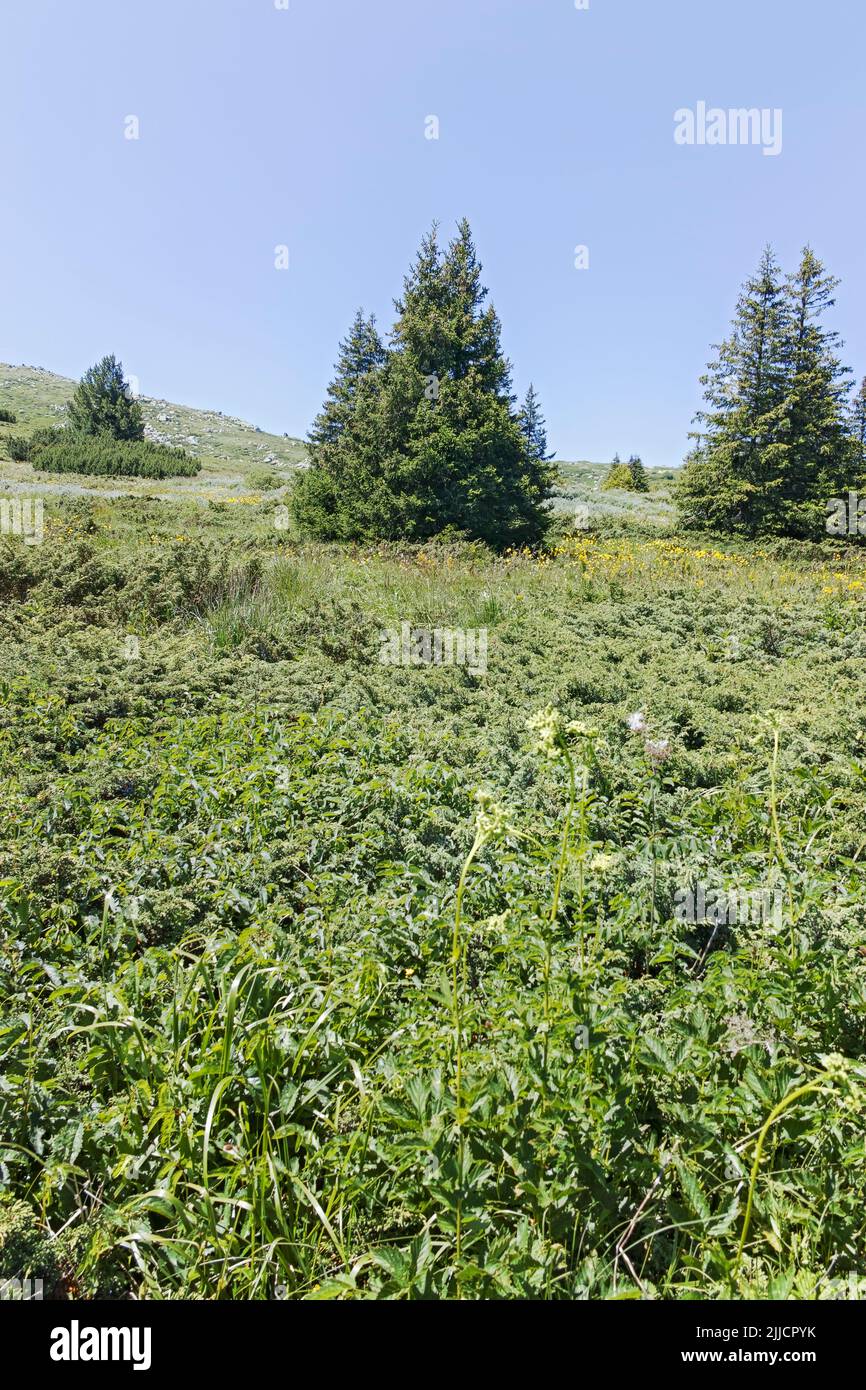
x=103, y=403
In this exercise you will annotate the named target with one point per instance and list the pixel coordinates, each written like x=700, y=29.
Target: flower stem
x=773, y=1116
x=457, y=1020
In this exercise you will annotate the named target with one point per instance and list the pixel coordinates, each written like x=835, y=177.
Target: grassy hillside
x=579, y=494
x=235, y=456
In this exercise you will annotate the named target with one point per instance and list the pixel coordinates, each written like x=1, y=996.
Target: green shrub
x=21, y=447
x=262, y=480
x=18, y=447
x=626, y=477
x=258, y=958
x=619, y=476
x=111, y=458
x=8, y=417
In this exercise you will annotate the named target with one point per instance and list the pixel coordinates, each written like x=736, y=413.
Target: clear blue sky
x=305, y=127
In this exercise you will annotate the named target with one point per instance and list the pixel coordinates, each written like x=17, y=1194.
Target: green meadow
x=330, y=977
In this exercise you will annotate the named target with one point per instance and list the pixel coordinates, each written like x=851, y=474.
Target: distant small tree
x=618, y=476
x=639, y=480
x=103, y=404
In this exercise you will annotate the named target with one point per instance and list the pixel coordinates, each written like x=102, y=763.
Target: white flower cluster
x=658, y=750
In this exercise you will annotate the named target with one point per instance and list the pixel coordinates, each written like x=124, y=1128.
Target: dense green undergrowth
x=287, y=1012
x=60, y=451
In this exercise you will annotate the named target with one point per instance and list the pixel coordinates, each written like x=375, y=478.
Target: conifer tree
x=639, y=480
x=432, y=442
x=342, y=444
x=533, y=426
x=102, y=403
x=733, y=477
x=618, y=476
x=775, y=443
x=857, y=423
x=818, y=455
x=361, y=353
x=470, y=466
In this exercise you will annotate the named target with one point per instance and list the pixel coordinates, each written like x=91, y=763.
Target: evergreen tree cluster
x=421, y=437
x=105, y=435
x=778, y=436
x=627, y=477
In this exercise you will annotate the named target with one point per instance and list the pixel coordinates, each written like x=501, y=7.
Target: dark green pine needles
x=422, y=438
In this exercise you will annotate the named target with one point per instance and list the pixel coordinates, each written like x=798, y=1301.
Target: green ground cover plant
x=323, y=978
x=56, y=450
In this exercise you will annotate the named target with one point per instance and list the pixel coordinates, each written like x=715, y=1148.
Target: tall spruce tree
x=774, y=442
x=361, y=353
x=340, y=441
x=732, y=479
x=818, y=455
x=432, y=443
x=533, y=426
x=102, y=403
